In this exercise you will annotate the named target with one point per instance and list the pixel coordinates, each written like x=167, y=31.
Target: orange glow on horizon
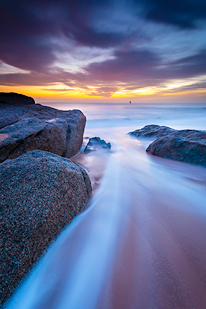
x=61, y=92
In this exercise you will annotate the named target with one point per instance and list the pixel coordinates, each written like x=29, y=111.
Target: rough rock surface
x=40, y=193
x=96, y=142
x=13, y=98
x=29, y=127
x=181, y=145
x=185, y=145
x=152, y=130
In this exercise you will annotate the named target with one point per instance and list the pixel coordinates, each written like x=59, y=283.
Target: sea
x=140, y=241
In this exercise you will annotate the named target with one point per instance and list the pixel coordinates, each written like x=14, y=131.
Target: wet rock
x=25, y=128
x=95, y=143
x=191, y=135
x=40, y=194
x=13, y=98
x=183, y=146
x=152, y=131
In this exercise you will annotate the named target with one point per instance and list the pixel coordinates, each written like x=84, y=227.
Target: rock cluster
x=96, y=143
x=41, y=190
x=181, y=145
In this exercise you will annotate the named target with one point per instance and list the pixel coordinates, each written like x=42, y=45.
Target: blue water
x=136, y=115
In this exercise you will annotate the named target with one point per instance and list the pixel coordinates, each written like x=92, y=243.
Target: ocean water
x=140, y=243
x=136, y=115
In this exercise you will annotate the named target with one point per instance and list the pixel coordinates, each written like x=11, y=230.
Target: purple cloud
x=32, y=32
x=125, y=66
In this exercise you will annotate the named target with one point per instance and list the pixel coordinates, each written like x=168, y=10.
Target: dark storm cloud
x=181, y=13
x=23, y=36
x=89, y=37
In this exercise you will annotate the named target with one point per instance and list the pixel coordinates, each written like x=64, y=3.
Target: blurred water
x=136, y=115
x=141, y=241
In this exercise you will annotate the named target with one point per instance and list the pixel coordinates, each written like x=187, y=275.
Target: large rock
x=30, y=127
x=152, y=131
x=181, y=146
x=33, y=133
x=13, y=98
x=40, y=193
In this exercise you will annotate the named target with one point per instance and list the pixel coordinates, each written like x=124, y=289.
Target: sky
x=104, y=50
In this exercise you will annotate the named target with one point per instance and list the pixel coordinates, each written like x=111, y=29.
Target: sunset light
x=114, y=51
